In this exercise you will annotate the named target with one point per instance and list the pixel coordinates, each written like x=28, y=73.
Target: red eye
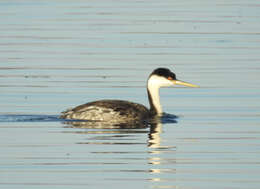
x=170, y=78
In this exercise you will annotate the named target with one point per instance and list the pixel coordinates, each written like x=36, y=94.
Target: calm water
x=58, y=54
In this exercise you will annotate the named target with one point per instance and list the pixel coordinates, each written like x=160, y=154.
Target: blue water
x=58, y=54
x=29, y=118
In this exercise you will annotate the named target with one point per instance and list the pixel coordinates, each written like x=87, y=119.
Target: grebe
x=119, y=111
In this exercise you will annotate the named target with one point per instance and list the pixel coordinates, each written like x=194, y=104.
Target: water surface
x=59, y=54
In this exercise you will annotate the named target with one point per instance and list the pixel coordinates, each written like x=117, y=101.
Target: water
x=58, y=54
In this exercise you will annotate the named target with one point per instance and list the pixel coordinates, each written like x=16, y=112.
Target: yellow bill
x=178, y=82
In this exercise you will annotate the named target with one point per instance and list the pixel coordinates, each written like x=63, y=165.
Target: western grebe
x=119, y=111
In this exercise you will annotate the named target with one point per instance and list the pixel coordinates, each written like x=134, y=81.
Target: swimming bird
x=119, y=111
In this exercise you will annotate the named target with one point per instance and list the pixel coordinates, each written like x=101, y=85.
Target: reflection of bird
x=118, y=111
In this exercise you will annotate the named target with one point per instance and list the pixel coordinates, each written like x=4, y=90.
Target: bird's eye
x=169, y=78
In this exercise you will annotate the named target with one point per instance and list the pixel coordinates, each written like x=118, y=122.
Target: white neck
x=153, y=87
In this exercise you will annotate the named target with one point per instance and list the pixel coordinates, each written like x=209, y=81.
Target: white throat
x=153, y=85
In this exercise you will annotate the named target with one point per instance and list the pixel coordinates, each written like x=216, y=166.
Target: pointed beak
x=178, y=82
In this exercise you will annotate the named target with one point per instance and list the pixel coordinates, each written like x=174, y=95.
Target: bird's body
x=113, y=111
x=121, y=112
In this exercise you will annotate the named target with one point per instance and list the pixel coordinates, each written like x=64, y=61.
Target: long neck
x=154, y=97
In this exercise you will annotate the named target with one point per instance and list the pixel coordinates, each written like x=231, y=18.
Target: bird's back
x=114, y=111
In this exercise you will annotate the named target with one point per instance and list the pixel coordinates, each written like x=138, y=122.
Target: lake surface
x=59, y=54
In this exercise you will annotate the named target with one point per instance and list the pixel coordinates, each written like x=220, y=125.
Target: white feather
x=154, y=83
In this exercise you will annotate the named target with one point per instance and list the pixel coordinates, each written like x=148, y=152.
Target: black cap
x=164, y=72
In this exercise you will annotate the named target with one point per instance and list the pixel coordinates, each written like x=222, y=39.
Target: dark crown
x=164, y=72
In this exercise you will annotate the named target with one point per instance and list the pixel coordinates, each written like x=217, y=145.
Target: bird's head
x=163, y=77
